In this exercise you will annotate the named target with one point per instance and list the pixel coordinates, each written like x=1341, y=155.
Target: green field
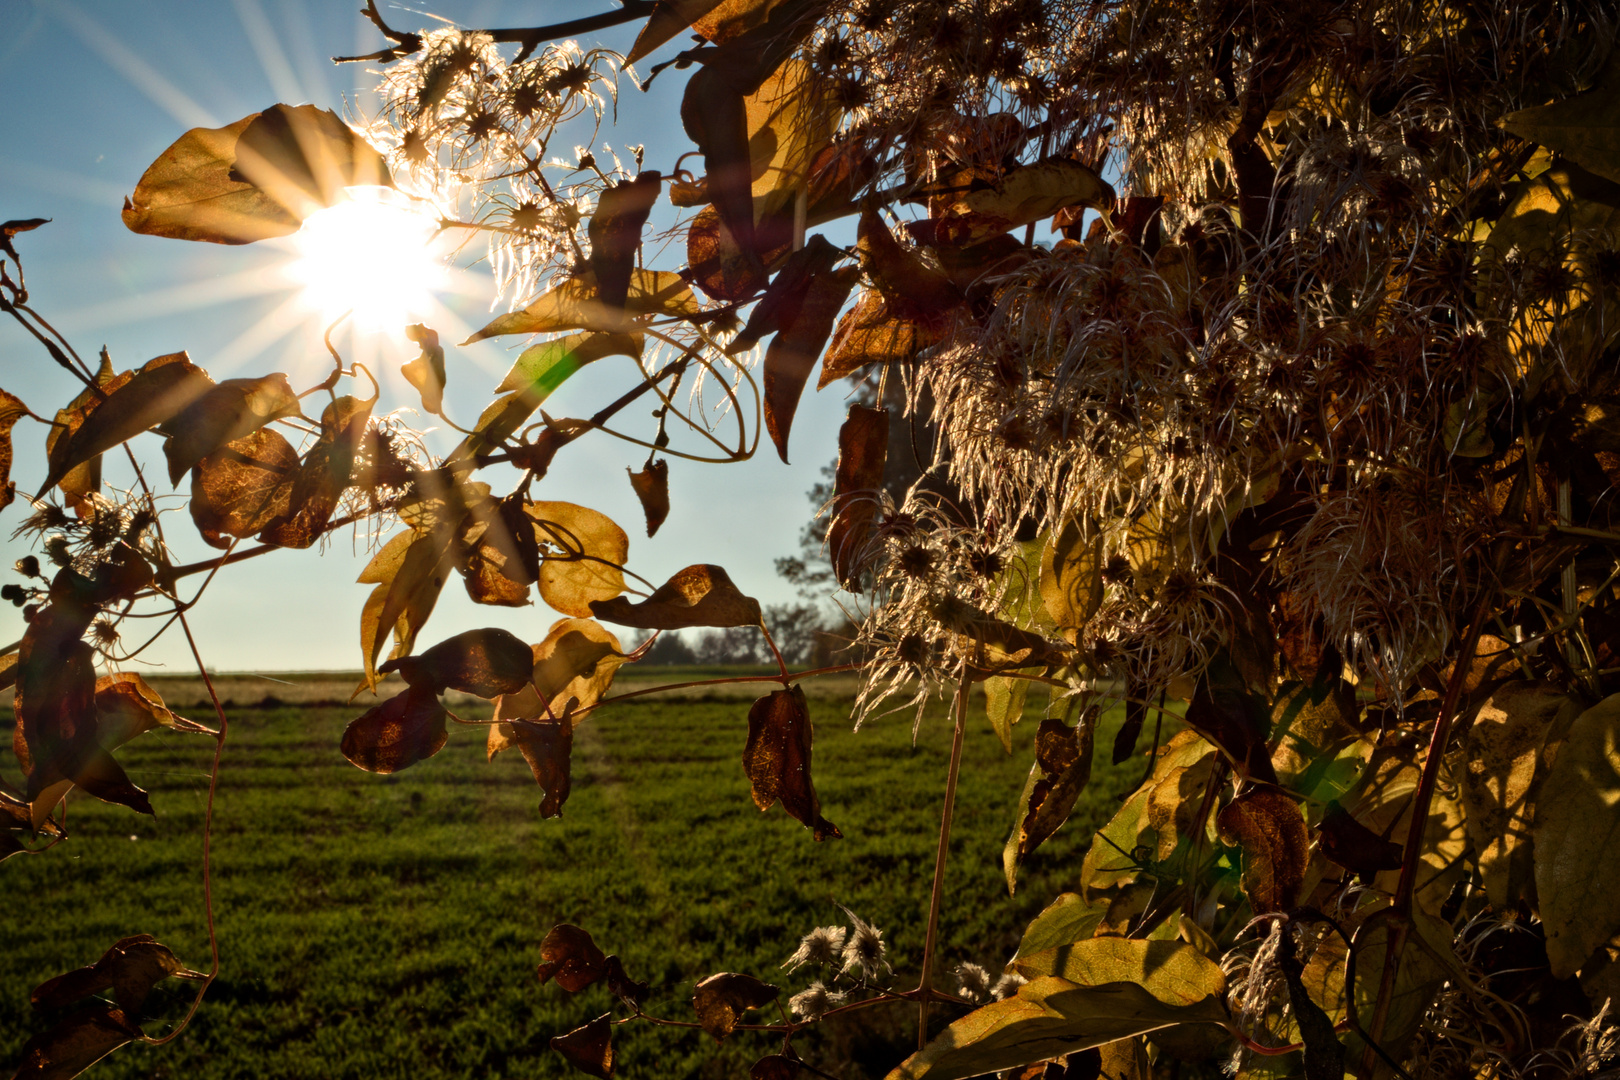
x=376, y=927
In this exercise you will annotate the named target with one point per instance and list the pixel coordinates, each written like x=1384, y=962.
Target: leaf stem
x=937, y=893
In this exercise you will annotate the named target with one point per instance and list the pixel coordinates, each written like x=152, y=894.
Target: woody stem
x=925, y=986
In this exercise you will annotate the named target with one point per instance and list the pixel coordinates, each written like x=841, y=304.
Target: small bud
x=56, y=549
x=28, y=566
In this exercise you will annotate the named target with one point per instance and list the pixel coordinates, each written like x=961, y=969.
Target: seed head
x=813, y=1002
x=864, y=948
x=821, y=947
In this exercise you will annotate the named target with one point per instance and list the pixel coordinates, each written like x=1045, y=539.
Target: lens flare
x=373, y=255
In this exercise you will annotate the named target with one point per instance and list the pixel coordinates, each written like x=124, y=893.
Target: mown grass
x=383, y=927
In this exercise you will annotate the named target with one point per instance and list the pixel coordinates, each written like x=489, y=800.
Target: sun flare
x=372, y=255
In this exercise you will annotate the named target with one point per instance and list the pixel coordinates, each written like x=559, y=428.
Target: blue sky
x=95, y=90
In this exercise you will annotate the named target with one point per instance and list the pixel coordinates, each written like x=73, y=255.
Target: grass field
x=383, y=927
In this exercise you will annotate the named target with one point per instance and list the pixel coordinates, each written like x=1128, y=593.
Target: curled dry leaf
x=863, y=450
x=590, y=1048
x=651, y=485
x=1234, y=722
x=701, y=595
x=1024, y=194
x=869, y=333
x=322, y=476
x=1061, y=770
x=426, y=372
x=777, y=759
x=163, y=388
x=11, y=410
x=576, y=305
x=405, y=729
x=85, y=478
x=669, y=19
x=779, y=308
x=547, y=746
x=615, y=235
x=720, y=1000
x=254, y=179
x=129, y=969
x=243, y=486
x=774, y=1067
x=499, y=548
x=569, y=955
x=584, y=560
x=1354, y=846
x=719, y=264
x=57, y=737
x=485, y=663
x=1267, y=824
x=912, y=290
x=126, y=707
x=573, y=668
x=715, y=116
x=75, y=1043
x=229, y=411
x=796, y=348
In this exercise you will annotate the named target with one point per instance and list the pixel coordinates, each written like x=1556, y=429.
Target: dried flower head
x=815, y=1001
x=822, y=947
x=972, y=981
x=864, y=949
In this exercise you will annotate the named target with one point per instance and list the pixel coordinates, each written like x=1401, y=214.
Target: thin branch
x=937, y=893
x=529, y=37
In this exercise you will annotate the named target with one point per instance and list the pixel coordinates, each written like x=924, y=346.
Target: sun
x=373, y=255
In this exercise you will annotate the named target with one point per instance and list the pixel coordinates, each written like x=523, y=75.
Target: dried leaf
x=1324, y=1053
x=715, y=116
x=1584, y=128
x=722, y=267
x=701, y=595
x=243, y=486
x=869, y=334
x=129, y=969
x=84, y=479
x=796, y=348
x=126, y=707
x=669, y=19
x=75, y=1044
x=1234, y=722
x=573, y=668
x=912, y=290
x=1062, y=768
x=576, y=305
x=1577, y=840
x=732, y=18
x=779, y=308
x=720, y=1000
x=426, y=372
x=1508, y=758
x=863, y=449
x=229, y=411
x=1025, y=194
x=547, y=746
x=1050, y=1016
x=485, y=663
x=11, y=410
x=405, y=729
x=790, y=121
x=774, y=1067
x=162, y=389
x=589, y=553
x=323, y=475
x=651, y=485
x=777, y=759
x=590, y=1048
x=1354, y=846
x=615, y=235
x=257, y=178
x=569, y=955
x=1267, y=824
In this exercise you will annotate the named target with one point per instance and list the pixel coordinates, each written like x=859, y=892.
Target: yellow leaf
x=572, y=305
x=587, y=553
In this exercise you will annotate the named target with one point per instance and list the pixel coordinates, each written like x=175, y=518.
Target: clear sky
x=94, y=91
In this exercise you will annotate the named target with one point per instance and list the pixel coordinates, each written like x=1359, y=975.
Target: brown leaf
x=622, y=986
x=229, y=411
x=547, y=746
x=722, y=267
x=405, y=729
x=701, y=595
x=83, y=479
x=126, y=707
x=485, y=663
x=615, y=235
x=243, y=486
x=863, y=448
x=257, y=178
x=715, y=116
x=323, y=475
x=1232, y=721
x=913, y=291
x=75, y=1044
x=590, y=1048
x=651, y=485
x=1025, y=194
x=426, y=372
x=1267, y=824
x=57, y=736
x=1354, y=846
x=583, y=562
x=129, y=969
x=573, y=668
x=409, y=572
x=779, y=308
x=777, y=759
x=1060, y=773
x=797, y=347
x=720, y=1001
x=732, y=18
x=11, y=410
x=869, y=334
x=569, y=955
x=774, y=1067
x=669, y=18
x=162, y=389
